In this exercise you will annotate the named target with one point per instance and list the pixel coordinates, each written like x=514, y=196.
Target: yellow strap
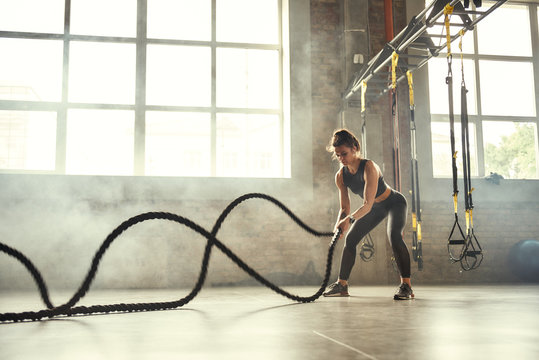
x=394, y=61
x=414, y=221
x=455, y=202
x=363, y=91
x=455, y=154
x=461, y=33
x=448, y=10
x=467, y=222
x=418, y=231
x=410, y=87
x=471, y=218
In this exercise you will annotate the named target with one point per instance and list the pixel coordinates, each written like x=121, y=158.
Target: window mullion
x=534, y=25
x=213, y=89
x=140, y=89
x=281, y=83
x=61, y=121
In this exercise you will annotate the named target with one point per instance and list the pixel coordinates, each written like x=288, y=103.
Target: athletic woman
x=364, y=178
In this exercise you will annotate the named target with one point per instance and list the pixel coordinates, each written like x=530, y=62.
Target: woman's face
x=345, y=154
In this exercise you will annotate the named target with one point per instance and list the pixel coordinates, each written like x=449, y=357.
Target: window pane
x=104, y=17
x=178, y=144
x=31, y=69
x=248, y=145
x=234, y=17
x=247, y=78
x=102, y=73
x=510, y=149
x=100, y=142
x=179, y=19
x=438, y=94
x=507, y=88
x=441, y=149
x=178, y=75
x=32, y=15
x=27, y=140
x=505, y=31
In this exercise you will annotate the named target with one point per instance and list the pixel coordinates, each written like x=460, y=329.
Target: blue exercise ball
x=524, y=260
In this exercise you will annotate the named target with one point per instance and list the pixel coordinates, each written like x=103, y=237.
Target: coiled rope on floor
x=69, y=307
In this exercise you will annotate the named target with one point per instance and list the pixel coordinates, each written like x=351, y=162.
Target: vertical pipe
x=388, y=17
x=61, y=120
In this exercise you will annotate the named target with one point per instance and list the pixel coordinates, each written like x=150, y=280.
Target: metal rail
x=415, y=37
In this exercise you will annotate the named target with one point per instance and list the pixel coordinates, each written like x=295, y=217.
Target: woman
x=364, y=178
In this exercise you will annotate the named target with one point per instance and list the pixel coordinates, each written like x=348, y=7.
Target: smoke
x=59, y=222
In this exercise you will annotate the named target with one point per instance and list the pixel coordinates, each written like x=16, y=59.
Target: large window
x=500, y=72
x=142, y=87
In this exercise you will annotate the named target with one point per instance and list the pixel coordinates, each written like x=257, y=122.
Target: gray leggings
x=394, y=208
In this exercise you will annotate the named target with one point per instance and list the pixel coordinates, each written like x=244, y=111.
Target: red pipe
x=388, y=17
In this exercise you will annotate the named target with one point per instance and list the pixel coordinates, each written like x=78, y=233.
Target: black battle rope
x=472, y=255
x=69, y=309
x=458, y=240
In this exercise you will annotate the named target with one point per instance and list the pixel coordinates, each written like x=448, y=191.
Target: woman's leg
x=359, y=229
x=395, y=227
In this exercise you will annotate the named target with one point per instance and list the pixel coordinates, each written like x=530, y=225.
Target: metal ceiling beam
x=416, y=37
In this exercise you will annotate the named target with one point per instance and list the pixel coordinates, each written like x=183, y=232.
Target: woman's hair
x=342, y=137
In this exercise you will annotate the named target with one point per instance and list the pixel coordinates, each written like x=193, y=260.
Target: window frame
x=297, y=144
x=139, y=106
x=478, y=118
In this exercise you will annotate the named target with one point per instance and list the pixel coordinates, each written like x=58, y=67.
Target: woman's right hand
x=343, y=224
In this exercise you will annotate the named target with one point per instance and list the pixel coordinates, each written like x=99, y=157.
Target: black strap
x=396, y=142
x=417, y=251
x=465, y=147
x=472, y=255
x=449, y=82
x=455, y=238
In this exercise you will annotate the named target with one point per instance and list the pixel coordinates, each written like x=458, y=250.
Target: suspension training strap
x=472, y=256
x=465, y=144
x=416, y=207
x=448, y=10
x=366, y=251
x=395, y=118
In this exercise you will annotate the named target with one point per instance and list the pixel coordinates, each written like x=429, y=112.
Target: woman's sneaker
x=336, y=289
x=404, y=292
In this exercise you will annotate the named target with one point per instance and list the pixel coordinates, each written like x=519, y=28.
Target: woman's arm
x=371, y=176
x=344, y=200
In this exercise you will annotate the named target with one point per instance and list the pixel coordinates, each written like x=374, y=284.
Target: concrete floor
x=449, y=322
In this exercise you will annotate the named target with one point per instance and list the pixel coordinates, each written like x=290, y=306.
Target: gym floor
x=442, y=322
